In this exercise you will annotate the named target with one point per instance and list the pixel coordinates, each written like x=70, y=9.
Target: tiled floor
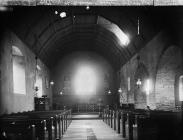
x=90, y=130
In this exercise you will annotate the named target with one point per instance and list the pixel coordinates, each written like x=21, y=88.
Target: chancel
x=91, y=73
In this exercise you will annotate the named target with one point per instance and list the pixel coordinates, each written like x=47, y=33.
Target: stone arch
x=167, y=69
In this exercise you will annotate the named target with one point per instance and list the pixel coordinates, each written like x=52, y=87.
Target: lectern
x=41, y=104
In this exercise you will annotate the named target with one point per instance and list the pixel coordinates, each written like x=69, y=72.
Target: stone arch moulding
x=167, y=69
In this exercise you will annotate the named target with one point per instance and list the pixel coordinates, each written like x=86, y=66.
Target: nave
x=123, y=64
x=90, y=129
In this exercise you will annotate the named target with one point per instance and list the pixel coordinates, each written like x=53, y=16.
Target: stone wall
x=163, y=61
x=169, y=65
x=11, y=102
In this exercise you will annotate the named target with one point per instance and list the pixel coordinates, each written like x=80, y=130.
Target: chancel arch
x=83, y=67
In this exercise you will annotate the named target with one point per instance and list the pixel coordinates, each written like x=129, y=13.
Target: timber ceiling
x=52, y=37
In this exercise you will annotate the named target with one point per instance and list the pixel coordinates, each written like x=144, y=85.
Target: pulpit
x=41, y=104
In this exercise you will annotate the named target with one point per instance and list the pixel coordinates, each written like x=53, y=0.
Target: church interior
x=91, y=73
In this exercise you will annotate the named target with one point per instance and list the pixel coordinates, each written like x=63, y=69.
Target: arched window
x=19, y=84
x=181, y=88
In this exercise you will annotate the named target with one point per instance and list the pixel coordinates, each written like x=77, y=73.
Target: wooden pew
x=143, y=124
x=44, y=124
x=154, y=125
x=144, y=128
x=123, y=120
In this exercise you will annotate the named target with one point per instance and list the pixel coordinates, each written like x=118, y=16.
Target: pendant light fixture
x=138, y=82
x=138, y=26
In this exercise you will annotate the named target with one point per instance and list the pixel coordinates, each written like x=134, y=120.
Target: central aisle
x=90, y=130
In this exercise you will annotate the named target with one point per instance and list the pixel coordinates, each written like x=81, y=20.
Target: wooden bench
x=35, y=125
x=143, y=124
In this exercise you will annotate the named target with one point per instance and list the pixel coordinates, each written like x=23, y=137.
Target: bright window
x=19, y=84
x=181, y=88
x=85, y=81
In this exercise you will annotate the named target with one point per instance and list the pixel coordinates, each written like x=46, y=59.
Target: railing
x=81, y=108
